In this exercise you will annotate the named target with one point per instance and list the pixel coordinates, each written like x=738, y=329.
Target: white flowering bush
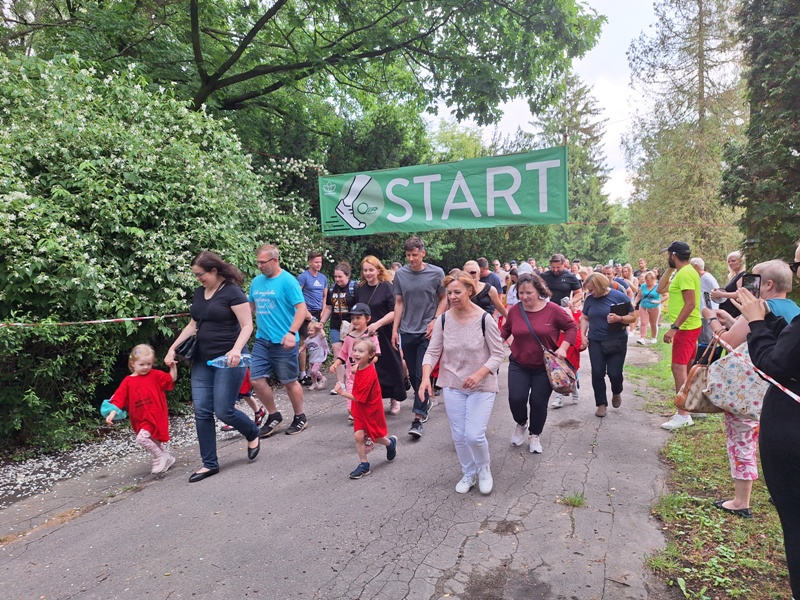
x=108, y=188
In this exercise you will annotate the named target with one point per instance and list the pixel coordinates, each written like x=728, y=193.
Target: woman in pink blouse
x=466, y=343
x=527, y=378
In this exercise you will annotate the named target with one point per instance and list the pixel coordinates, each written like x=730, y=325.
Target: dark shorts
x=304, y=327
x=273, y=359
x=684, y=345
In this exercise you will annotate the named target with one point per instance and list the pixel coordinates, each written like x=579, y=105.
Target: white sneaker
x=485, y=481
x=557, y=402
x=641, y=341
x=654, y=341
x=163, y=463
x=466, y=483
x=534, y=444
x=518, y=437
x=677, y=421
x=394, y=407
x=576, y=397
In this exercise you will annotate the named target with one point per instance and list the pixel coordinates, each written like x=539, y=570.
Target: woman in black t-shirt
x=222, y=321
x=341, y=298
x=736, y=270
x=376, y=291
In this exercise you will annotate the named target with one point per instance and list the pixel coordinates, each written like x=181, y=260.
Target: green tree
x=107, y=190
x=763, y=172
x=591, y=234
x=472, y=56
x=689, y=72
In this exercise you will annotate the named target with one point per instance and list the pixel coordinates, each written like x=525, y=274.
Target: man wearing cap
x=280, y=309
x=561, y=282
x=419, y=299
x=684, y=318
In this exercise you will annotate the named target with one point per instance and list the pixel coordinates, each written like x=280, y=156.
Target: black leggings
x=779, y=445
x=528, y=386
x=607, y=356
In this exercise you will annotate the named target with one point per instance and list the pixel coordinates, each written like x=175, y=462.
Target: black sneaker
x=391, y=449
x=306, y=381
x=298, y=424
x=271, y=426
x=415, y=429
x=361, y=470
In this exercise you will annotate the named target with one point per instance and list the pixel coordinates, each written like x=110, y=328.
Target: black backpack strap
x=443, y=321
x=483, y=323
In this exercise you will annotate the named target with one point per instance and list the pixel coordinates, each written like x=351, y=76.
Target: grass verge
x=710, y=555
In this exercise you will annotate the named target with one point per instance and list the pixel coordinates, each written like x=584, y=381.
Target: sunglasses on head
x=794, y=266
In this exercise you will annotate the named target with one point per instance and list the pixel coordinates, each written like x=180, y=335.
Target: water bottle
x=221, y=362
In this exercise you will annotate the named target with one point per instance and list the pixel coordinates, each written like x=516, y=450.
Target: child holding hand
x=317, y=349
x=142, y=394
x=369, y=419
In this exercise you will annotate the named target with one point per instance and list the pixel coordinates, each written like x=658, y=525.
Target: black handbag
x=186, y=349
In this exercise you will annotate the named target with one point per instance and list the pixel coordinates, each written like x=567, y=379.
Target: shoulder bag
x=692, y=397
x=559, y=370
x=736, y=385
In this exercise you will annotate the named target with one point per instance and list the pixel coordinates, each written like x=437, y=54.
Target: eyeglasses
x=794, y=266
x=199, y=275
x=265, y=262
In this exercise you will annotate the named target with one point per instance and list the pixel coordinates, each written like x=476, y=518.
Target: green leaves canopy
x=470, y=55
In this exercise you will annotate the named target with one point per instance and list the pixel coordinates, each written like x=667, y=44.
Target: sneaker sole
x=360, y=476
x=270, y=433
x=296, y=431
x=415, y=433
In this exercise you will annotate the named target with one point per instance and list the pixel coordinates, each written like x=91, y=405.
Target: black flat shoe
x=253, y=452
x=739, y=512
x=200, y=475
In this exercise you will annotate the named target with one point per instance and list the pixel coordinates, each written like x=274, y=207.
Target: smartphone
x=752, y=282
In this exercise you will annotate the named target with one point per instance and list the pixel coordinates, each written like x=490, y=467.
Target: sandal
x=739, y=512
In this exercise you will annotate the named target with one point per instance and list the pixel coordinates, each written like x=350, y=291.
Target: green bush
x=108, y=188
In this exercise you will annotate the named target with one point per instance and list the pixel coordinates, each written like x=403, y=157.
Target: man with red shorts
x=684, y=316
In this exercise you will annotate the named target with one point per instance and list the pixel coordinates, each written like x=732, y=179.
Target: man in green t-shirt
x=684, y=317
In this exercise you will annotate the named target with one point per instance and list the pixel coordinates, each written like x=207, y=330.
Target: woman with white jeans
x=466, y=342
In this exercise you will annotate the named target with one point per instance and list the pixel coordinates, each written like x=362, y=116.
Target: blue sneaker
x=391, y=449
x=361, y=470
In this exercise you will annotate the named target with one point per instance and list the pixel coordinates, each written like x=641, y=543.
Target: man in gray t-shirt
x=419, y=300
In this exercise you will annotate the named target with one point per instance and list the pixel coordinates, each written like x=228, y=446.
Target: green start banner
x=518, y=189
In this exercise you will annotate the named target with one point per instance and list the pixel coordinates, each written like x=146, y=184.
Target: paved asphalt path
x=292, y=525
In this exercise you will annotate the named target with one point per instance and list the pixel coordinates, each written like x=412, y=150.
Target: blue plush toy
x=106, y=407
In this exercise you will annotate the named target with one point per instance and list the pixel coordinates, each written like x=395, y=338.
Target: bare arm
x=663, y=283
x=398, y=315
x=498, y=304
x=245, y=318
x=300, y=313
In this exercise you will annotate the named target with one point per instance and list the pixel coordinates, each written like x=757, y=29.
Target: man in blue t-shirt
x=617, y=283
x=487, y=276
x=315, y=289
x=280, y=309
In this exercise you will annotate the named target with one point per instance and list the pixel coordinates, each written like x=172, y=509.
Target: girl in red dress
x=369, y=419
x=142, y=394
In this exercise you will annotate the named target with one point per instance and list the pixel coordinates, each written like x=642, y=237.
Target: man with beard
x=684, y=318
x=562, y=283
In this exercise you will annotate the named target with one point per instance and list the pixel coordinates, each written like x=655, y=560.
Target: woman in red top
x=527, y=378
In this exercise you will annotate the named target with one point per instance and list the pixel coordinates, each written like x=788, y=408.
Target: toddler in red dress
x=369, y=419
x=142, y=394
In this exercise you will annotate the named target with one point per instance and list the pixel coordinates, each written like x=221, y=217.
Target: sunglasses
x=199, y=275
x=794, y=266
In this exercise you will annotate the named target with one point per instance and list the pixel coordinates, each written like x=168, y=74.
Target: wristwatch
x=292, y=332
x=675, y=327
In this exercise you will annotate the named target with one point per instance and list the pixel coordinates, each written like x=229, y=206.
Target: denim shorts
x=273, y=359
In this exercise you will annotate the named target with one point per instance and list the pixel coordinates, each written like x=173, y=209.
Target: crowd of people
x=412, y=329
